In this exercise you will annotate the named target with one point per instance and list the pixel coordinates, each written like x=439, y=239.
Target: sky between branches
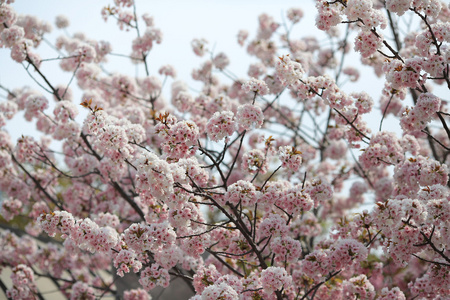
x=180, y=21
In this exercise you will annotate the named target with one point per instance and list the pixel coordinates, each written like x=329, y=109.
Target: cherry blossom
x=294, y=174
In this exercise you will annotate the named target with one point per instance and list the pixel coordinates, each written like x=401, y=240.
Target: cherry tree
x=282, y=184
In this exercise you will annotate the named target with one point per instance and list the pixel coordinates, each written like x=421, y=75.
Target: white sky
x=180, y=21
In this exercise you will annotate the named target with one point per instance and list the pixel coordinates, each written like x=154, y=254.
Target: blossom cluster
x=418, y=117
x=244, y=188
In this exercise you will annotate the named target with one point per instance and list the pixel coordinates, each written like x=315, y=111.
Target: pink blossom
x=254, y=161
x=10, y=208
x=204, y=277
x=241, y=192
x=24, y=286
x=136, y=294
x=81, y=290
x=62, y=21
x=275, y=278
x=329, y=14
x=167, y=70
x=418, y=117
x=286, y=249
x=12, y=35
x=199, y=46
x=242, y=36
x=219, y=291
x=249, y=116
x=288, y=71
x=368, y=43
x=295, y=14
x=221, y=61
x=273, y=225
x=359, y=285
x=127, y=261
x=290, y=158
x=256, y=86
x=221, y=125
x=167, y=181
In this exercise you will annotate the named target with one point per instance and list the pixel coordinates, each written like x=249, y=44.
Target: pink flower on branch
x=167, y=181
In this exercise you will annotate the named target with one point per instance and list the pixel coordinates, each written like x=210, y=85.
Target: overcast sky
x=180, y=21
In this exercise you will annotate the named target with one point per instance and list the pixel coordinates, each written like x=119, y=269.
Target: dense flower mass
x=418, y=117
x=289, y=177
x=249, y=116
x=257, y=86
x=288, y=71
x=222, y=124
